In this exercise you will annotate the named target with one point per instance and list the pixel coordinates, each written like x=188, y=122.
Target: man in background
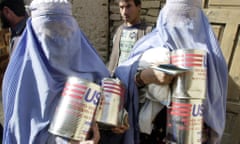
x=132, y=29
x=13, y=16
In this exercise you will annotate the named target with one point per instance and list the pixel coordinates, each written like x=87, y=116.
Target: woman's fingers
x=120, y=129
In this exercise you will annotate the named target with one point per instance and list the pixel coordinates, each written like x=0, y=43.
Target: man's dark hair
x=17, y=6
x=136, y=2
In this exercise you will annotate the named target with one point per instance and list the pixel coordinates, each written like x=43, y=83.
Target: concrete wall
x=92, y=16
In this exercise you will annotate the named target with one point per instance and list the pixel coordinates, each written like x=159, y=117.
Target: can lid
x=74, y=79
x=192, y=50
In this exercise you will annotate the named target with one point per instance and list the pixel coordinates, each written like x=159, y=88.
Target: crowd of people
x=50, y=47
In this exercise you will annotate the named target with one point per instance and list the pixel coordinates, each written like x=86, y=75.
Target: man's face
x=4, y=21
x=130, y=12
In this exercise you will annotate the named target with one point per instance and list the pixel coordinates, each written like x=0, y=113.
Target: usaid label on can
x=185, y=121
x=76, y=108
x=193, y=83
x=110, y=109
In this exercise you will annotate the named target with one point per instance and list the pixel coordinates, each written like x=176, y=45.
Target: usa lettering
x=197, y=110
x=92, y=96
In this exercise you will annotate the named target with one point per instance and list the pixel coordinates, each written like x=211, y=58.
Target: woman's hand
x=120, y=129
x=95, y=133
x=150, y=75
x=94, y=136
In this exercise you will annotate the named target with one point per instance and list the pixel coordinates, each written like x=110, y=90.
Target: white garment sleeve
x=154, y=96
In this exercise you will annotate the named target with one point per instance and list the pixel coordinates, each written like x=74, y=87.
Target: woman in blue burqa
x=51, y=49
x=181, y=25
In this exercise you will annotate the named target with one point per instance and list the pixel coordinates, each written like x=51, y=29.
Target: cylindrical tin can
x=185, y=121
x=75, y=111
x=110, y=109
x=192, y=84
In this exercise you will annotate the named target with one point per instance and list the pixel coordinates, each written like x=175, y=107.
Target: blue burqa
x=181, y=25
x=51, y=49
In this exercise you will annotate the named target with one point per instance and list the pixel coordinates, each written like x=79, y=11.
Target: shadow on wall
x=231, y=132
x=233, y=89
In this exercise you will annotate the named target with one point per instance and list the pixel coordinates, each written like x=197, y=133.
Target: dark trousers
x=108, y=137
x=159, y=131
x=1, y=133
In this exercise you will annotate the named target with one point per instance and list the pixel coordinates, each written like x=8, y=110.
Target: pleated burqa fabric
x=51, y=49
x=181, y=24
